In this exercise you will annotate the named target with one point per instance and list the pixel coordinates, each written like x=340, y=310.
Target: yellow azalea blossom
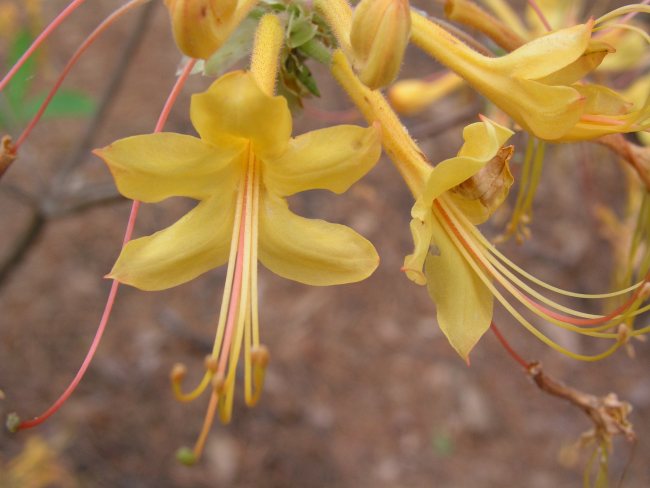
x=464, y=273
x=240, y=170
x=538, y=84
x=463, y=303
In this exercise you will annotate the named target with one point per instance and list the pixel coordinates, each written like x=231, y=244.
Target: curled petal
x=329, y=159
x=311, y=251
x=463, y=303
x=234, y=108
x=195, y=244
x=153, y=167
x=483, y=140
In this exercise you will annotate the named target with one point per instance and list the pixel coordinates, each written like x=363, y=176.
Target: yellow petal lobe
x=330, y=159
x=234, y=108
x=153, y=167
x=310, y=251
x=198, y=242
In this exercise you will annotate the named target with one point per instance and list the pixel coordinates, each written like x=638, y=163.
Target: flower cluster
x=541, y=81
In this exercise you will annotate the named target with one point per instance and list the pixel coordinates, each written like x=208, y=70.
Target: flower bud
x=200, y=26
x=379, y=35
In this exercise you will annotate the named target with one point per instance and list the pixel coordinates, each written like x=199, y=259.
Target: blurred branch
x=52, y=205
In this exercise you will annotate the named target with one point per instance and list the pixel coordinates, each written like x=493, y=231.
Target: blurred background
x=362, y=388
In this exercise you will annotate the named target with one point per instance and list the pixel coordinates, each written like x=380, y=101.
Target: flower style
x=538, y=84
x=240, y=170
x=460, y=267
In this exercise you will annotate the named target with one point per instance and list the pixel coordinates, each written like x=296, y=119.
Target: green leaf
x=66, y=103
x=17, y=89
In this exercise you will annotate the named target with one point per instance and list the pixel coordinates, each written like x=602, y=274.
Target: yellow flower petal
x=153, y=167
x=331, y=159
x=311, y=251
x=545, y=55
x=198, y=242
x=235, y=108
x=463, y=303
x=482, y=142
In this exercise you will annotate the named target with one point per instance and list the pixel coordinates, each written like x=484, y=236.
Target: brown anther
x=260, y=356
x=7, y=154
x=178, y=373
x=219, y=383
x=211, y=363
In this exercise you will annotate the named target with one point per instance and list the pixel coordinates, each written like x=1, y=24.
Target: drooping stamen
x=39, y=40
x=115, y=284
x=538, y=11
x=99, y=30
x=530, y=178
x=473, y=258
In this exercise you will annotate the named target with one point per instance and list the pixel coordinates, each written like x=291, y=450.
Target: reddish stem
x=115, y=285
x=509, y=349
x=107, y=22
x=39, y=40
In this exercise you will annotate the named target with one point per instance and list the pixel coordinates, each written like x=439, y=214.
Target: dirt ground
x=362, y=390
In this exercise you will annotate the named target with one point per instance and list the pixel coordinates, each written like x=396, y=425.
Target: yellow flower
x=464, y=273
x=463, y=303
x=240, y=170
x=538, y=84
x=242, y=131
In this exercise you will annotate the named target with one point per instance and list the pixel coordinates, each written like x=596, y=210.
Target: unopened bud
x=409, y=97
x=7, y=154
x=379, y=34
x=178, y=373
x=200, y=26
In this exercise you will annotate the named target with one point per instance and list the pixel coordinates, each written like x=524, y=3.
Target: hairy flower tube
x=240, y=171
x=463, y=271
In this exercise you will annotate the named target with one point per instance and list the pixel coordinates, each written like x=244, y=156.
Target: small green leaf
x=66, y=103
x=17, y=89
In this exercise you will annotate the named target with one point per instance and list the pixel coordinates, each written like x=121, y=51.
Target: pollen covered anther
x=178, y=373
x=211, y=363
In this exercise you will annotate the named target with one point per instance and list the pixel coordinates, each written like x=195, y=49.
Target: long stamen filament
x=58, y=20
x=99, y=30
x=471, y=256
x=128, y=233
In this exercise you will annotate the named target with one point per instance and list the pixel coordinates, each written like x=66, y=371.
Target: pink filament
x=115, y=285
x=39, y=40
